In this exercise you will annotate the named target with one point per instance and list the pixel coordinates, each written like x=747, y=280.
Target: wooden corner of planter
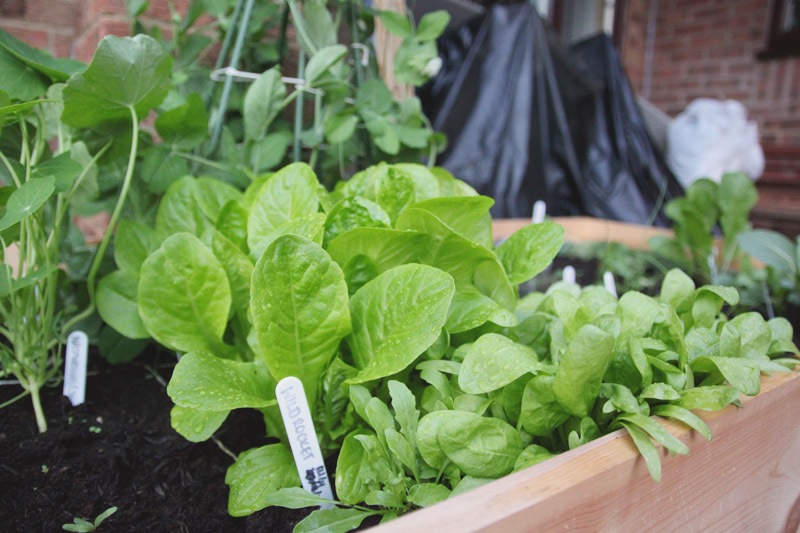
x=746, y=479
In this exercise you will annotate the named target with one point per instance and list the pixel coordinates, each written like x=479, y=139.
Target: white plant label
x=302, y=438
x=75, y=367
x=610, y=284
x=539, y=210
x=569, y=274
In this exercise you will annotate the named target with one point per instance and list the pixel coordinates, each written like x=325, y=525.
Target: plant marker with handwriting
x=303, y=438
x=569, y=274
x=610, y=284
x=75, y=367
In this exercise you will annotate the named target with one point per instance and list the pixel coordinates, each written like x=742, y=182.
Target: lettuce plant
x=125, y=80
x=424, y=369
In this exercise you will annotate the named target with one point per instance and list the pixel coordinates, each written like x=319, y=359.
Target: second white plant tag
x=302, y=438
x=75, y=367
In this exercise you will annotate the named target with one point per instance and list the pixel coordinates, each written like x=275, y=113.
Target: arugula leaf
x=580, y=371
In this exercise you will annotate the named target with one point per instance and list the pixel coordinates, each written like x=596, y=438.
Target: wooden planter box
x=746, y=479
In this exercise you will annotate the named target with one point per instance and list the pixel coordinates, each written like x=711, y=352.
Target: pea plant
x=95, y=114
x=423, y=368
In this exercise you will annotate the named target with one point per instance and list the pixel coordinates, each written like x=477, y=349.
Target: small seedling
x=95, y=429
x=45, y=469
x=82, y=525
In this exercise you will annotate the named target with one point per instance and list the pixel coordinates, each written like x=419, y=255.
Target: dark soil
x=118, y=449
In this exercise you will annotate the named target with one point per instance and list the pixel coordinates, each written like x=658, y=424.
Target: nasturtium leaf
x=204, y=381
x=354, y=212
x=262, y=103
x=256, y=474
x=387, y=248
x=479, y=446
x=466, y=215
x=323, y=60
x=581, y=368
x=133, y=242
x=184, y=296
x=299, y=307
x=117, y=303
x=184, y=127
x=126, y=73
x=412, y=301
x=19, y=81
x=493, y=362
x=289, y=194
x=336, y=520
x=195, y=425
x=540, y=413
x=529, y=250
x=26, y=200
x=57, y=69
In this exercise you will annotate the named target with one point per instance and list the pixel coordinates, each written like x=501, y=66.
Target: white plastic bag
x=712, y=137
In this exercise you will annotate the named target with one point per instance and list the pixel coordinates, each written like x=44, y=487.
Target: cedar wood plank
x=746, y=479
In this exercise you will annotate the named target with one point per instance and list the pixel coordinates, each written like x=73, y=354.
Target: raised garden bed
x=746, y=479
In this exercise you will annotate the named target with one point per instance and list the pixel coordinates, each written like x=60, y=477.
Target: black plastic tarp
x=528, y=118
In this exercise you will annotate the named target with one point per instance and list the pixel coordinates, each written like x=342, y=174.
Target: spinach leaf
x=580, y=371
x=493, y=362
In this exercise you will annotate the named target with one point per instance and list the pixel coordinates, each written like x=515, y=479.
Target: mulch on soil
x=118, y=449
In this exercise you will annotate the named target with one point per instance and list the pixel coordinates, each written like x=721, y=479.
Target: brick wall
x=72, y=28
x=707, y=48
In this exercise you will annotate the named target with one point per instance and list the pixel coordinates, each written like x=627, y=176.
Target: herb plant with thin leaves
x=126, y=79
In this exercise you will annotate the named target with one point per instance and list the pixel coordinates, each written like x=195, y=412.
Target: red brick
x=35, y=38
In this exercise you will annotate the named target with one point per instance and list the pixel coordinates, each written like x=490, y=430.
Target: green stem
x=41, y=421
x=101, y=249
x=298, y=107
x=15, y=398
x=11, y=171
x=202, y=160
x=226, y=89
